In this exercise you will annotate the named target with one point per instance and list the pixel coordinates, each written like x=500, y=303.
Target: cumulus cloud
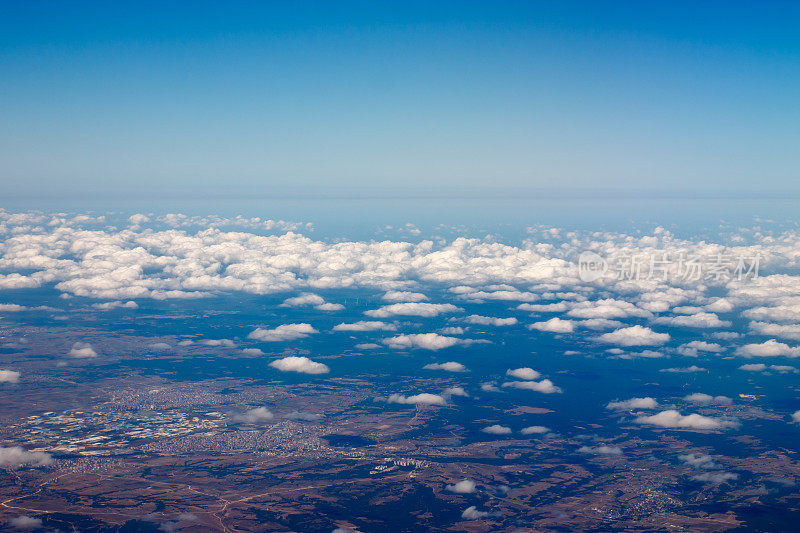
x=545, y=386
x=534, y=430
x=693, y=348
x=304, y=299
x=698, y=461
x=466, y=486
x=299, y=415
x=424, y=398
x=683, y=370
x=489, y=387
x=25, y=523
x=450, y=366
x=328, y=306
x=426, y=341
x=706, y=399
x=697, y=320
x=796, y=417
x=523, y=373
x=365, y=325
x=225, y=343
x=608, y=308
x=554, y=325
x=497, y=429
x=634, y=336
x=404, y=296
x=633, y=403
x=285, y=332
x=15, y=457
x=715, y=477
x=452, y=330
x=770, y=348
x=490, y=321
x=412, y=309
x=105, y=306
x=255, y=415
x=761, y=367
x=304, y=365
x=472, y=513
x=674, y=419
x=454, y=391
x=784, y=331
x=82, y=350
x=9, y=376
x=600, y=450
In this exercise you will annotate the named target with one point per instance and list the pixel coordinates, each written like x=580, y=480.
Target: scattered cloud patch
x=285, y=332
x=450, y=366
x=634, y=336
x=674, y=419
x=303, y=365
x=633, y=403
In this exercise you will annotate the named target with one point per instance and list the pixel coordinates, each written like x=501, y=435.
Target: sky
x=252, y=99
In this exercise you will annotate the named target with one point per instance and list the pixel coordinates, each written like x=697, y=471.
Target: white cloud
x=25, y=523
x=534, y=430
x=761, y=367
x=489, y=387
x=412, y=309
x=367, y=346
x=698, y=461
x=796, y=417
x=466, y=486
x=9, y=376
x=784, y=331
x=298, y=415
x=304, y=365
x=770, y=348
x=523, y=373
x=554, y=325
x=634, y=403
x=450, y=366
x=427, y=341
x=252, y=351
x=683, y=370
x=285, y=332
x=715, y=477
x=490, y=321
x=497, y=429
x=404, y=296
x=601, y=450
x=608, y=308
x=82, y=350
x=452, y=330
x=255, y=415
x=105, y=306
x=698, y=320
x=472, y=513
x=634, y=336
x=424, y=398
x=674, y=419
x=304, y=299
x=15, y=456
x=328, y=306
x=692, y=349
x=365, y=325
x=706, y=399
x=545, y=386
x=454, y=391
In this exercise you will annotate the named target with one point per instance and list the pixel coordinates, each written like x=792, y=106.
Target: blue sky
x=251, y=98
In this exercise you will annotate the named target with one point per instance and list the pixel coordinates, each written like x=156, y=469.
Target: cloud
x=497, y=429
x=252, y=351
x=304, y=299
x=490, y=321
x=545, y=386
x=489, y=387
x=404, y=296
x=674, y=419
x=159, y=346
x=715, y=477
x=796, y=417
x=412, y=309
x=9, y=376
x=365, y=325
x=784, y=331
x=424, y=398
x=426, y=341
x=367, y=346
x=698, y=461
x=255, y=415
x=770, y=348
x=698, y=320
x=450, y=366
x=633, y=403
x=466, y=486
x=25, y=523
x=608, y=308
x=299, y=415
x=304, y=365
x=534, y=430
x=523, y=373
x=105, y=306
x=761, y=367
x=285, y=332
x=15, y=456
x=684, y=370
x=634, y=336
x=601, y=450
x=454, y=391
x=452, y=330
x=554, y=325
x=226, y=343
x=472, y=513
x=82, y=350
x=327, y=306
x=706, y=399
x=692, y=349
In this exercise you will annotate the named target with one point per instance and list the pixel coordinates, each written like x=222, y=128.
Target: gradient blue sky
x=250, y=98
